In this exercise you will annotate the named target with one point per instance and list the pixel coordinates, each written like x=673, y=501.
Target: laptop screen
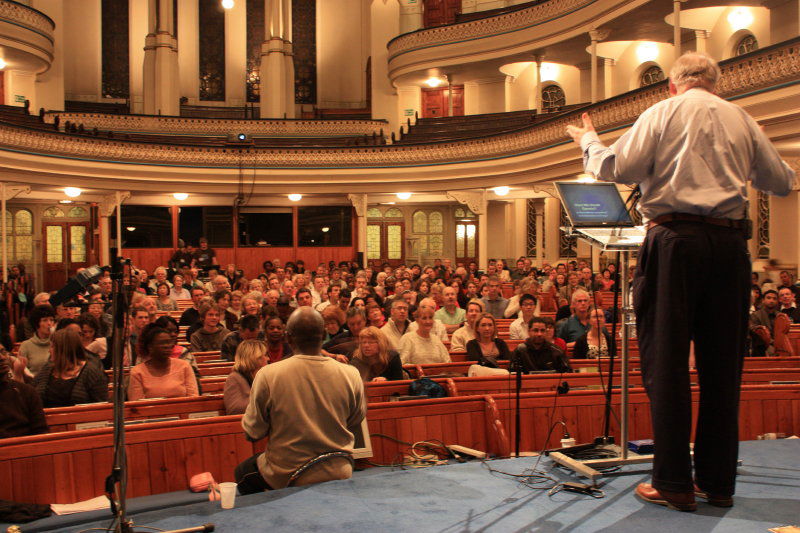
x=593, y=204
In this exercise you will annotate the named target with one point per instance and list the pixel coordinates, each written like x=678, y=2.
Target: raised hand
x=576, y=132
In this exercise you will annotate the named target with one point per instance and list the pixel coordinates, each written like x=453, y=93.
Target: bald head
x=305, y=329
x=428, y=303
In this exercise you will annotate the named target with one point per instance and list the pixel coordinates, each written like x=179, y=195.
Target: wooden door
x=65, y=251
x=440, y=12
x=2, y=87
x=466, y=242
x=385, y=242
x=458, y=100
x=436, y=102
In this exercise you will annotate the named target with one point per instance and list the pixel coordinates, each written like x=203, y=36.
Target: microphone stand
x=515, y=362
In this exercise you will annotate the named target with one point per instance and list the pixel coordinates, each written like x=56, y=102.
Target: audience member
x=374, y=359
x=493, y=302
x=36, y=350
x=192, y=314
x=278, y=348
x=787, y=304
x=70, y=378
x=250, y=357
x=536, y=354
x=334, y=319
x=421, y=346
x=204, y=257
x=165, y=302
x=458, y=343
x=249, y=329
x=209, y=337
x=160, y=375
x=21, y=411
x=518, y=329
x=578, y=323
x=439, y=330
x=450, y=314
x=90, y=338
x=762, y=325
x=327, y=396
x=486, y=348
x=178, y=291
x=596, y=342
x=342, y=346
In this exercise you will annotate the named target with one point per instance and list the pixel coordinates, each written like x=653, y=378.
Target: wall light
x=227, y=4
x=404, y=195
x=130, y=228
x=433, y=82
x=180, y=196
x=326, y=229
x=549, y=71
x=295, y=197
x=2, y=64
x=72, y=192
x=501, y=191
x=647, y=51
x=740, y=18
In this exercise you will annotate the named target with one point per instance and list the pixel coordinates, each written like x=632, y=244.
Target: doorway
x=65, y=249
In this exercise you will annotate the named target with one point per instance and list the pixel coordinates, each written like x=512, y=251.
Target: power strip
x=469, y=452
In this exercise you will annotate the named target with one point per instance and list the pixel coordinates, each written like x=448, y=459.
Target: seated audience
x=70, y=377
x=209, y=337
x=527, y=286
x=192, y=314
x=165, y=302
x=178, y=352
x=334, y=319
x=250, y=357
x=374, y=359
x=536, y=354
x=24, y=329
x=36, y=350
x=450, y=314
x=762, y=325
x=486, y=348
x=160, y=375
x=578, y=323
x=464, y=334
x=421, y=346
x=249, y=329
x=235, y=307
x=597, y=341
x=342, y=346
x=278, y=348
x=326, y=396
x=89, y=336
x=439, y=329
x=375, y=316
x=222, y=299
x=788, y=307
x=528, y=309
x=178, y=291
x=398, y=322
x=493, y=302
x=21, y=411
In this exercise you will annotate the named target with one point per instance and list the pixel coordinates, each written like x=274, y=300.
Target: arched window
x=747, y=44
x=374, y=212
x=553, y=98
x=651, y=75
x=393, y=213
x=19, y=228
x=77, y=212
x=463, y=213
x=53, y=212
x=428, y=228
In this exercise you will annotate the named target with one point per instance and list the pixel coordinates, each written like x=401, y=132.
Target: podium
x=622, y=240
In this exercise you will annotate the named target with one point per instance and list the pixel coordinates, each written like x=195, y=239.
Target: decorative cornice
x=27, y=17
x=12, y=191
x=475, y=200
x=110, y=201
x=359, y=202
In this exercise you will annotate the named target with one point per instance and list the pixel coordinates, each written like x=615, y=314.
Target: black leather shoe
x=713, y=499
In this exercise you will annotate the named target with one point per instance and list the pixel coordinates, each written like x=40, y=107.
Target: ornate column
x=478, y=203
x=288, y=58
x=161, y=83
x=676, y=26
x=702, y=39
x=537, y=97
x=595, y=36
x=110, y=204
x=359, y=202
x=608, y=77
x=449, y=95
x=273, y=63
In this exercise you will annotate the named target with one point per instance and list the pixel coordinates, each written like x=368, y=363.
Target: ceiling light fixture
x=130, y=228
x=647, y=51
x=548, y=71
x=403, y=195
x=227, y=4
x=295, y=197
x=180, y=196
x=326, y=229
x=501, y=191
x=740, y=18
x=72, y=192
x=65, y=201
x=433, y=82
x=2, y=64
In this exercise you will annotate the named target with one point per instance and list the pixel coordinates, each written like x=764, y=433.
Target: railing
x=27, y=17
x=770, y=67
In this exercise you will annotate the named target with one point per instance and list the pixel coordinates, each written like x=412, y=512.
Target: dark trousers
x=692, y=283
x=248, y=478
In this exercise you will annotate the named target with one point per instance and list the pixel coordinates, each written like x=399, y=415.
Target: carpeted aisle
x=467, y=497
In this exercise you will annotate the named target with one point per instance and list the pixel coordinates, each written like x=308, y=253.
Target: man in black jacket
x=536, y=354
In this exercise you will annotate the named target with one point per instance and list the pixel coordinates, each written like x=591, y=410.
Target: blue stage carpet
x=468, y=497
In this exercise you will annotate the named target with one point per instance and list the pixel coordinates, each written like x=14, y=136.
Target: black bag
x=426, y=387
x=20, y=513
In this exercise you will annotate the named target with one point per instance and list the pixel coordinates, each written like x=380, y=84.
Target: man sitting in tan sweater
x=306, y=405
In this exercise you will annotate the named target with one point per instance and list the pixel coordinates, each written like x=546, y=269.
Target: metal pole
x=119, y=224
x=625, y=335
x=5, y=233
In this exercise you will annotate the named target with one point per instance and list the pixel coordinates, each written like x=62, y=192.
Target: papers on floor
x=95, y=504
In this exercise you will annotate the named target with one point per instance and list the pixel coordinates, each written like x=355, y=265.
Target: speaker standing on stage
x=692, y=156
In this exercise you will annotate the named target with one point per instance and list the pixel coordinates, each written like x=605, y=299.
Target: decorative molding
x=359, y=202
x=209, y=126
x=546, y=188
x=109, y=202
x=599, y=35
x=27, y=17
x=475, y=200
x=12, y=191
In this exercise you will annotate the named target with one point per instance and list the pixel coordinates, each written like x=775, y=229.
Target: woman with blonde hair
x=486, y=348
x=251, y=356
x=374, y=359
x=419, y=347
x=70, y=377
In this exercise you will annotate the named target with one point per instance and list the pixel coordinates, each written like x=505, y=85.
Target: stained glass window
x=54, y=245
x=459, y=212
x=435, y=222
x=394, y=242
x=77, y=244
x=77, y=212
x=373, y=242
x=471, y=231
x=9, y=223
x=435, y=244
x=746, y=45
x=553, y=97
x=53, y=212
x=23, y=222
x=652, y=75
x=420, y=222
x=374, y=212
x=393, y=213
x=22, y=245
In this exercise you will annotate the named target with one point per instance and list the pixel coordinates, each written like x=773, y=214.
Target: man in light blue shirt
x=691, y=156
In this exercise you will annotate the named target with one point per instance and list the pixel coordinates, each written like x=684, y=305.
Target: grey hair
x=695, y=69
x=306, y=330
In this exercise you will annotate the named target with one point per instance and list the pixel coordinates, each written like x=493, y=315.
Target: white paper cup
x=227, y=493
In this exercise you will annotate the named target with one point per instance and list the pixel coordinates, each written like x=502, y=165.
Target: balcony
x=26, y=37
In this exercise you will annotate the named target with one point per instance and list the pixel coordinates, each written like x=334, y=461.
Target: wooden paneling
x=248, y=259
x=435, y=102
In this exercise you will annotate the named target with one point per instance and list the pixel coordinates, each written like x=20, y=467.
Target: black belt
x=739, y=224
